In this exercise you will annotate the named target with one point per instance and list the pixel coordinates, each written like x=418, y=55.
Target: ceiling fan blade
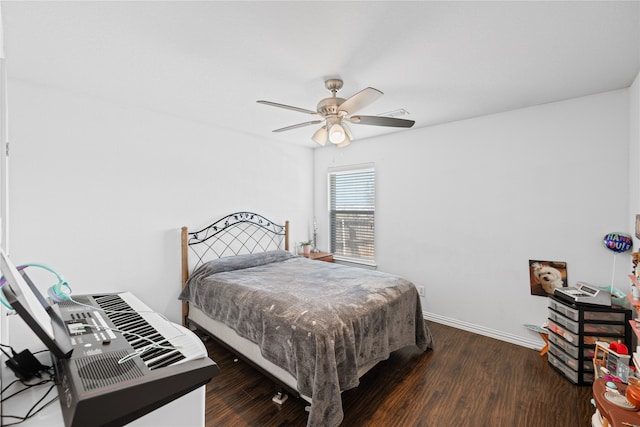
x=381, y=121
x=288, y=107
x=360, y=100
x=321, y=136
x=299, y=125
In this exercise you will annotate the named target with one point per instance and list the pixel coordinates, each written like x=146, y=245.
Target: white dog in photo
x=548, y=277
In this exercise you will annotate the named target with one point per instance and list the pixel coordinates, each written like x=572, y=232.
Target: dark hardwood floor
x=466, y=380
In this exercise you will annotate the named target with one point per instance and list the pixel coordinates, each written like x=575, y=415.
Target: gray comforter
x=319, y=321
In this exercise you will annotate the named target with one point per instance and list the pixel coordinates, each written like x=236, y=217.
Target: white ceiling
x=210, y=61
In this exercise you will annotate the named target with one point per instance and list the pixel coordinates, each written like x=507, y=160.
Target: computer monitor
x=33, y=308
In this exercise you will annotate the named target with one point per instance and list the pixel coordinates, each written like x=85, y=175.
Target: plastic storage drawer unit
x=573, y=332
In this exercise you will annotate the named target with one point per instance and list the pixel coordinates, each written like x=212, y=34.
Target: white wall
x=462, y=207
x=99, y=191
x=634, y=157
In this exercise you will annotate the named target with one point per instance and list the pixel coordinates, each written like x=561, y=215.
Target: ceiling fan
x=337, y=112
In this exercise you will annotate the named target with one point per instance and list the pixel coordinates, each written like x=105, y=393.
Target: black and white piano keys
x=135, y=322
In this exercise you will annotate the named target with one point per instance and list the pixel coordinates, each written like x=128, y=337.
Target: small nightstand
x=320, y=256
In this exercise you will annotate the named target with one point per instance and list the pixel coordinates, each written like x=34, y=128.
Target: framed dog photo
x=546, y=276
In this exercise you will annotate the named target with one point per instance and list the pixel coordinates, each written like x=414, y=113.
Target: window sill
x=358, y=262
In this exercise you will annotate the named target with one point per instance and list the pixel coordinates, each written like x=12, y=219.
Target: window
x=352, y=197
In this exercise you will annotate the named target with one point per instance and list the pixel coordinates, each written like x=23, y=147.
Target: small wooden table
x=320, y=256
x=544, y=334
x=612, y=414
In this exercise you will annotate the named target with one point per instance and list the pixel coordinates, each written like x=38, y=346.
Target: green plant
x=307, y=243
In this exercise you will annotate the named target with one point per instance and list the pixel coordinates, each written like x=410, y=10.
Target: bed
x=312, y=326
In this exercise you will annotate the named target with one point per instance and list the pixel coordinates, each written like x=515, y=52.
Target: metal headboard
x=235, y=234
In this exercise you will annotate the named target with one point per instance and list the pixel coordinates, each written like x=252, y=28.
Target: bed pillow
x=231, y=263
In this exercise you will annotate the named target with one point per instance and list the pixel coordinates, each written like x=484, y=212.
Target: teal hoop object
x=58, y=292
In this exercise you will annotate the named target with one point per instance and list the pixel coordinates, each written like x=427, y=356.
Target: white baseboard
x=487, y=332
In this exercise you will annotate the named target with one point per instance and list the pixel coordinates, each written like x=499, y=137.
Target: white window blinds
x=352, y=202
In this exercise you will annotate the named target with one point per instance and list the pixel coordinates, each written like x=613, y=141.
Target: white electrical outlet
x=421, y=290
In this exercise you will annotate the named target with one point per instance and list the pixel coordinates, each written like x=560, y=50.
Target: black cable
x=7, y=387
x=14, y=352
x=26, y=387
x=4, y=352
x=32, y=411
x=30, y=414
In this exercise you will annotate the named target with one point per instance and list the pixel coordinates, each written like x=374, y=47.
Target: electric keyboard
x=126, y=360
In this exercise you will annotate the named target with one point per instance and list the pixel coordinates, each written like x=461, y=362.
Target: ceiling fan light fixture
x=344, y=143
x=337, y=133
x=320, y=136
